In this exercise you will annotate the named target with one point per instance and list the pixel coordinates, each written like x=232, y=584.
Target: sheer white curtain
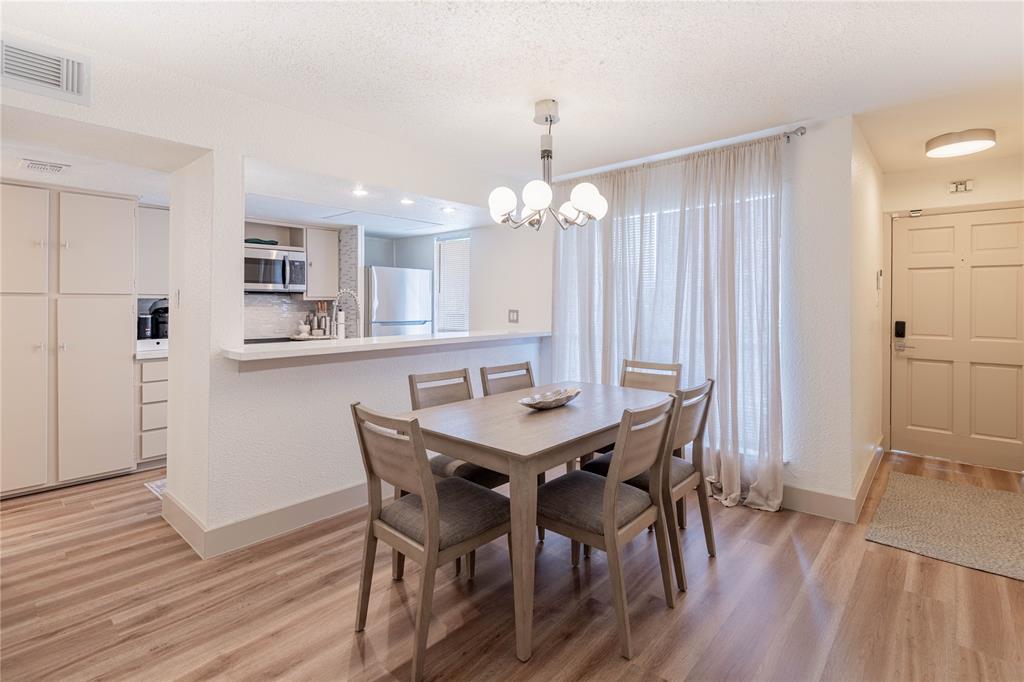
x=685, y=268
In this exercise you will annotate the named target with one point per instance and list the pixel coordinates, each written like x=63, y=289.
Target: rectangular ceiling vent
x=43, y=70
x=44, y=167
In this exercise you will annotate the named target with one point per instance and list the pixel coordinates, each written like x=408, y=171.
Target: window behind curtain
x=453, y=285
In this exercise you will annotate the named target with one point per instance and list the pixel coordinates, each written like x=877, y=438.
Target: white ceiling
x=897, y=135
x=633, y=79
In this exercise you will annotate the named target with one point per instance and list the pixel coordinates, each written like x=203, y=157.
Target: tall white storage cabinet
x=153, y=251
x=25, y=217
x=97, y=244
x=24, y=331
x=94, y=385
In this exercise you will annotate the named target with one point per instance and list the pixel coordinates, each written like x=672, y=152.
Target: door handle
x=66, y=244
x=38, y=346
x=63, y=347
x=40, y=243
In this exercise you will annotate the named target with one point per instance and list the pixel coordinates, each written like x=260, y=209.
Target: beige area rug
x=961, y=524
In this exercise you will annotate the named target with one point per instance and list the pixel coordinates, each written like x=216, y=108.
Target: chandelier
x=585, y=201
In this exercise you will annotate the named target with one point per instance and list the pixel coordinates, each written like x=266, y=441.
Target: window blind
x=453, y=285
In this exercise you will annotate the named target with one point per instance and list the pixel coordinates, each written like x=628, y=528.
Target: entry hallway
x=96, y=585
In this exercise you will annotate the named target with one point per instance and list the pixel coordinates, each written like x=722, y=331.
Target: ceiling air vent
x=45, y=71
x=44, y=167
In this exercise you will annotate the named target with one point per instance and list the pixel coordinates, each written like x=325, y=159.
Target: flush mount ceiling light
x=359, y=192
x=407, y=202
x=961, y=143
x=448, y=209
x=585, y=201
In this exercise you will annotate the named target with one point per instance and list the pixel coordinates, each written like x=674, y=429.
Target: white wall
x=866, y=309
x=815, y=308
x=508, y=269
x=379, y=251
x=995, y=180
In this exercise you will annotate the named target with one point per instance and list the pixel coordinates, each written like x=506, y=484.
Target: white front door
x=957, y=383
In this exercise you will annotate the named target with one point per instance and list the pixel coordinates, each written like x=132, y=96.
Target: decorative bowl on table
x=551, y=399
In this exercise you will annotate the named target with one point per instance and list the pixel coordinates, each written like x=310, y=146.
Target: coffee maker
x=159, y=311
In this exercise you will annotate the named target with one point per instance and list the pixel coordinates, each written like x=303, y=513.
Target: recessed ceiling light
x=408, y=202
x=359, y=192
x=961, y=143
x=448, y=209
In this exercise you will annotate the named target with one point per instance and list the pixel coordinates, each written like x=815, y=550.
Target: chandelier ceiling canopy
x=585, y=201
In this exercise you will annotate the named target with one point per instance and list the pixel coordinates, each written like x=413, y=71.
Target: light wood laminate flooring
x=94, y=585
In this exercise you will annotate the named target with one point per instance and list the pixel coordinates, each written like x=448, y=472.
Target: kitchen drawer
x=154, y=370
x=154, y=392
x=154, y=416
x=153, y=444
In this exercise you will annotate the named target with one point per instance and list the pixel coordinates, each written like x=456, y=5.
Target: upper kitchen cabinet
x=321, y=263
x=153, y=251
x=24, y=235
x=97, y=244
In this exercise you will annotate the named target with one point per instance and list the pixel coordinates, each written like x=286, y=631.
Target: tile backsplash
x=274, y=315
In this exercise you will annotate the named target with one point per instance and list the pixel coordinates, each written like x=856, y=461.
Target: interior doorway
x=957, y=337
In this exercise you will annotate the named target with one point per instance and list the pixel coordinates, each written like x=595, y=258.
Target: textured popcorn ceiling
x=633, y=79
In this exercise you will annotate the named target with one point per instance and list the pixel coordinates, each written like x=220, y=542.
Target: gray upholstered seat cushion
x=679, y=471
x=578, y=497
x=465, y=509
x=444, y=466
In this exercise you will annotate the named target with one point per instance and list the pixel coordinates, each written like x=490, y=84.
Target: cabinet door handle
x=39, y=243
x=65, y=244
x=63, y=347
x=39, y=346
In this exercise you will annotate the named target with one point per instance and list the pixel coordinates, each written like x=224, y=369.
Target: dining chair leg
x=423, y=615
x=570, y=466
x=619, y=597
x=575, y=552
x=397, y=558
x=661, y=537
x=458, y=565
x=366, y=577
x=673, y=543
x=541, y=479
x=705, y=516
x=586, y=551
x=472, y=564
x=511, y=564
x=681, y=512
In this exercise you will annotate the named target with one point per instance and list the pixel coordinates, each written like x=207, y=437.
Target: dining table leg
x=523, y=498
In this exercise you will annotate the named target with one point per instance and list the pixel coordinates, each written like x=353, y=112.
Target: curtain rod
x=676, y=153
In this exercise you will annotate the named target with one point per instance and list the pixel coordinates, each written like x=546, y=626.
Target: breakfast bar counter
x=301, y=349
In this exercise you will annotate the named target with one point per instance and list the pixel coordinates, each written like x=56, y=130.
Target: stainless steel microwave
x=274, y=270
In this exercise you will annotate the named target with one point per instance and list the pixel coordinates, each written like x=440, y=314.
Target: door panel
x=154, y=251
x=94, y=385
x=321, y=263
x=24, y=329
x=957, y=377
x=97, y=244
x=24, y=235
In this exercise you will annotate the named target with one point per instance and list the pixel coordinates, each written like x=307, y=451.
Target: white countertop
x=150, y=354
x=298, y=349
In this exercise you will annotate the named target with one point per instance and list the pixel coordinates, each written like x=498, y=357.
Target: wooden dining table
x=498, y=433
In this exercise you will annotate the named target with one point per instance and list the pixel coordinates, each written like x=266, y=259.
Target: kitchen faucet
x=340, y=333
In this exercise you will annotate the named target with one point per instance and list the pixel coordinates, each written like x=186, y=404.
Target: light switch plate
x=513, y=316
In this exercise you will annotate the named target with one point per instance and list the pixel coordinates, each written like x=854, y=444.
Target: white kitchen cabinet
x=25, y=223
x=153, y=251
x=321, y=263
x=95, y=341
x=97, y=244
x=151, y=424
x=24, y=329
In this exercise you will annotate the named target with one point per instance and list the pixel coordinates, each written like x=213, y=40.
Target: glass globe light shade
x=502, y=201
x=569, y=212
x=537, y=195
x=600, y=208
x=584, y=196
x=498, y=216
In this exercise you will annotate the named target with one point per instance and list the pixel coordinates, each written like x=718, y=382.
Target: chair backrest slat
x=693, y=414
x=443, y=388
x=640, y=441
x=393, y=451
x=654, y=376
x=506, y=378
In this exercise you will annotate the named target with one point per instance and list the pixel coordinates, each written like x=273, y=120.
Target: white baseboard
x=836, y=507
x=211, y=542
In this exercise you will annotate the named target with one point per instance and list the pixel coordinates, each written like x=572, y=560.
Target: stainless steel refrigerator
x=399, y=301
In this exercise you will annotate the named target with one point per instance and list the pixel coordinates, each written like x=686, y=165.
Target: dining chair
x=654, y=376
x=436, y=522
x=441, y=388
x=605, y=512
x=504, y=378
x=681, y=476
